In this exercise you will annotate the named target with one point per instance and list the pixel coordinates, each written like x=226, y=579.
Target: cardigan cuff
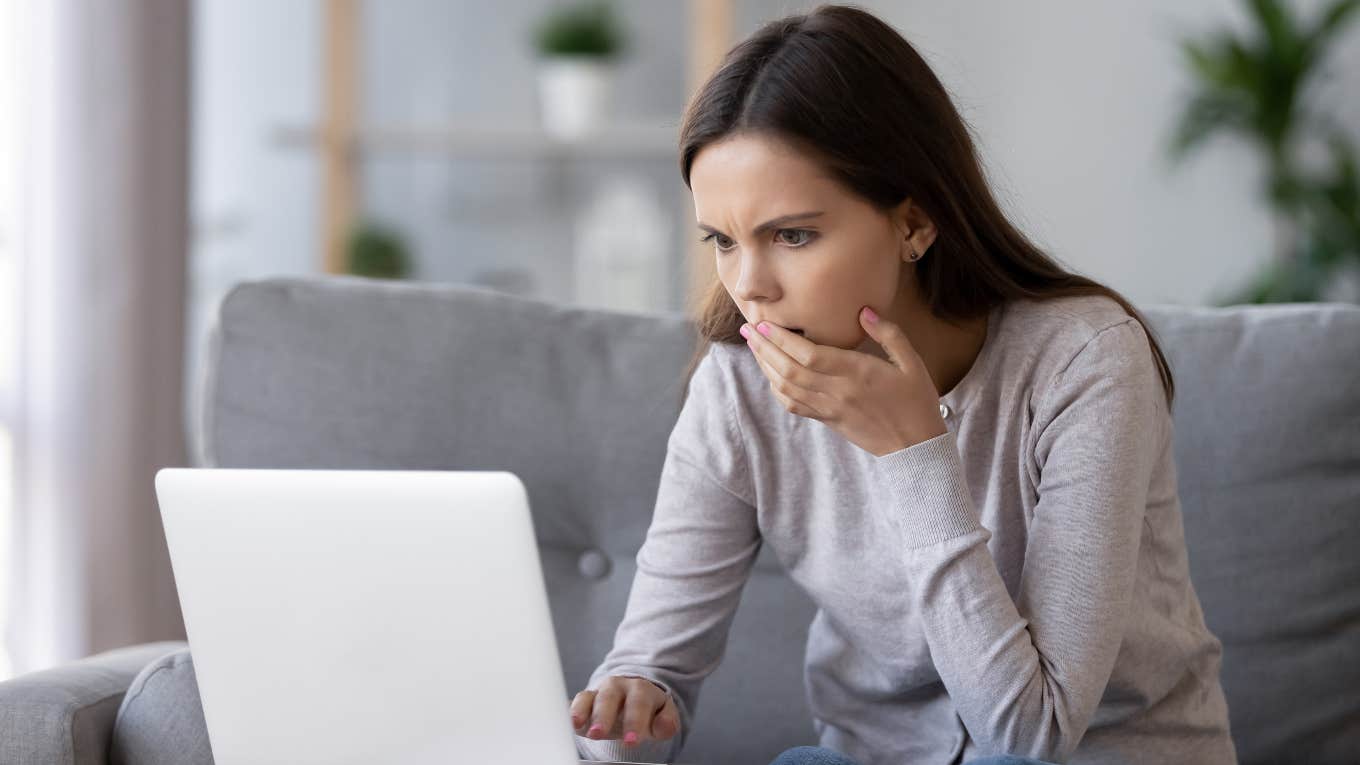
x=924, y=491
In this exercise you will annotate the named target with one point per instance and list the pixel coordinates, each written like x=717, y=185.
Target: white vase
x=622, y=248
x=575, y=94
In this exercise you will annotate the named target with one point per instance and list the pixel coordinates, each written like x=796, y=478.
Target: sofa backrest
x=1267, y=440
x=343, y=372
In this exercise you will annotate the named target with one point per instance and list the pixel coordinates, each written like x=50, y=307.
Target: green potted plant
x=377, y=252
x=1255, y=87
x=578, y=46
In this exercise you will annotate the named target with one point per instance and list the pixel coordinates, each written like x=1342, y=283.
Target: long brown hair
x=845, y=87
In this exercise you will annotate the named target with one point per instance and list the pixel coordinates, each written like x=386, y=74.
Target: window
x=8, y=314
x=9, y=294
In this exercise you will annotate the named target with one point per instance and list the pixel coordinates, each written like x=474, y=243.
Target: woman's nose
x=755, y=282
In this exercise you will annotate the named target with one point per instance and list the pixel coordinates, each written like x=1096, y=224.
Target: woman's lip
x=799, y=330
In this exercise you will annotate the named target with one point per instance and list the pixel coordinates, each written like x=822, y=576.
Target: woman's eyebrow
x=769, y=224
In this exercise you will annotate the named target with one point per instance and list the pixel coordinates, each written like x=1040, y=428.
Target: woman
x=962, y=452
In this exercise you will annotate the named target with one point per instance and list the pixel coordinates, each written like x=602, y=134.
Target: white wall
x=427, y=62
x=253, y=202
x=1073, y=103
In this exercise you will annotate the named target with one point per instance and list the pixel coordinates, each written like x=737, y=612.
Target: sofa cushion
x=1267, y=439
x=160, y=721
x=65, y=715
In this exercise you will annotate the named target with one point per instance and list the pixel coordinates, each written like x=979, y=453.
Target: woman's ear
x=901, y=219
x=917, y=229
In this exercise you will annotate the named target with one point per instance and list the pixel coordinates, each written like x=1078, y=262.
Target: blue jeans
x=818, y=755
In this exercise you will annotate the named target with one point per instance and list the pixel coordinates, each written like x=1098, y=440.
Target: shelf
x=480, y=140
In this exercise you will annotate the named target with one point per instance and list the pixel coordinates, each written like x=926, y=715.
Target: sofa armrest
x=64, y=715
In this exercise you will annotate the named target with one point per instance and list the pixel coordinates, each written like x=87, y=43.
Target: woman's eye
x=722, y=241
x=801, y=237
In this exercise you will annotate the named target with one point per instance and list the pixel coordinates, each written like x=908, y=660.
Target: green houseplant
x=578, y=46
x=377, y=252
x=1255, y=88
x=586, y=29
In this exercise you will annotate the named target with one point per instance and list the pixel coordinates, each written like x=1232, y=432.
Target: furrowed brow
x=769, y=224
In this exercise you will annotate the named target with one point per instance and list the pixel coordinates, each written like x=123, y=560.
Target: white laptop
x=340, y=616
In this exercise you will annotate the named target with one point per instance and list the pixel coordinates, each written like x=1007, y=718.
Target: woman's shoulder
x=719, y=380
x=729, y=377
x=1080, y=317
x=1053, y=331
x=728, y=368
x=1061, y=347
x=708, y=431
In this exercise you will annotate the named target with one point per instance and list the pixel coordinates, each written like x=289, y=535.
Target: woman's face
x=810, y=272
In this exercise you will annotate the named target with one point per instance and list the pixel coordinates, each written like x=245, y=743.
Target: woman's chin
x=869, y=346
x=845, y=345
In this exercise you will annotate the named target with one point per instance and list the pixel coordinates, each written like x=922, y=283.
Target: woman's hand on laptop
x=631, y=708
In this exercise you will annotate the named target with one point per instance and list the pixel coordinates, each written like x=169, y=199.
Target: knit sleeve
x=1026, y=675
x=692, y=565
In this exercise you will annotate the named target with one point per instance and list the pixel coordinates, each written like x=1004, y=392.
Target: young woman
x=961, y=451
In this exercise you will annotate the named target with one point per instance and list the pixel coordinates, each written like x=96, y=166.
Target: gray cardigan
x=1016, y=585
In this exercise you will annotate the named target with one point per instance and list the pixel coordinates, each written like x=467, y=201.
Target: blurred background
x=155, y=152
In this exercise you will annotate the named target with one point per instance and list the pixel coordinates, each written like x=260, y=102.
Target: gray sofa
x=343, y=372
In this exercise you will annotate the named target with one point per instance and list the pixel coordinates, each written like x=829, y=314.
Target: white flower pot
x=622, y=247
x=575, y=94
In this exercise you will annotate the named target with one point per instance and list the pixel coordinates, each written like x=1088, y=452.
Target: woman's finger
x=667, y=721
x=606, y=712
x=794, y=398
x=638, y=709
x=580, y=710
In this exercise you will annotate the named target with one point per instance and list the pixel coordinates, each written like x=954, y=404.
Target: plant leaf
x=1331, y=22
x=1207, y=113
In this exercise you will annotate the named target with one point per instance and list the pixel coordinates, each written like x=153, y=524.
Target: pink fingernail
x=745, y=332
x=764, y=328
x=630, y=738
x=595, y=730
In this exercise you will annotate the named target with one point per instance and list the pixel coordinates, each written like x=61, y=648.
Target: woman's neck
x=947, y=350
